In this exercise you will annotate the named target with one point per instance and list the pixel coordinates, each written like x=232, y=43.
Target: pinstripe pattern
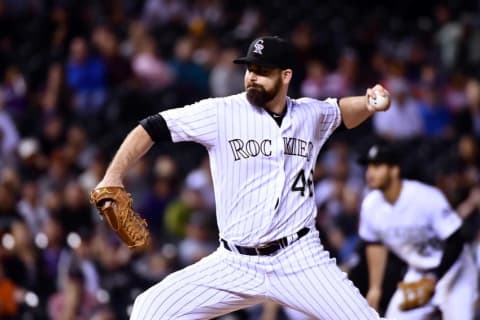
x=301, y=276
x=309, y=281
x=260, y=173
x=247, y=189
x=211, y=287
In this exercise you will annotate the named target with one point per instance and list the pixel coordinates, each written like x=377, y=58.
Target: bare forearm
x=376, y=261
x=135, y=145
x=354, y=110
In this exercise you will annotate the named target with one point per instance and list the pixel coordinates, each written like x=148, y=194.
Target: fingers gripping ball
x=417, y=293
x=121, y=217
x=380, y=102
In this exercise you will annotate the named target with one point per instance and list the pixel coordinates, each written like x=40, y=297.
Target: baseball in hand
x=380, y=102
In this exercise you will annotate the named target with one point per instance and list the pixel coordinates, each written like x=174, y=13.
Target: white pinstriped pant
x=300, y=276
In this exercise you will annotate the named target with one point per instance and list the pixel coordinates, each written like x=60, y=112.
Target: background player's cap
x=378, y=153
x=269, y=51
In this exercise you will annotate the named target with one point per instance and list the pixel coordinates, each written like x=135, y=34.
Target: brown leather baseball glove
x=417, y=293
x=121, y=217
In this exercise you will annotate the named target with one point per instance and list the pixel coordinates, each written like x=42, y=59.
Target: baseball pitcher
x=262, y=147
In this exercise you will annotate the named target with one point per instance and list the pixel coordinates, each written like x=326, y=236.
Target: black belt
x=267, y=248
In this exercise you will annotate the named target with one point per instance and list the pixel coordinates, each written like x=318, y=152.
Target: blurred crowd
x=77, y=76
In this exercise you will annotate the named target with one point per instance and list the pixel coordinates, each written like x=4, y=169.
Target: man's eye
x=263, y=72
x=259, y=71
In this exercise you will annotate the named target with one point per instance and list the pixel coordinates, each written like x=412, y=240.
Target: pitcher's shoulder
x=373, y=198
x=421, y=188
x=235, y=99
x=307, y=101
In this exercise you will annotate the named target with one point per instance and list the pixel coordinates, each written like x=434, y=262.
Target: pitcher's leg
x=322, y=292
x=207, y=289
x=306, y=279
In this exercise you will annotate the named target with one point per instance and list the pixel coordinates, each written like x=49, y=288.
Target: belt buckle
x=257, y=249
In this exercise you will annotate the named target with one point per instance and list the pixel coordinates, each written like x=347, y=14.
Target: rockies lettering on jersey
x=252, y=148
x=298, y=147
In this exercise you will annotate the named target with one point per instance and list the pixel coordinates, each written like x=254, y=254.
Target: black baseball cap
x=378, y=154
x=269, y=51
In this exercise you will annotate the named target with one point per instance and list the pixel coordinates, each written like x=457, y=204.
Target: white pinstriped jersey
x=414, y=227
x=262, y=173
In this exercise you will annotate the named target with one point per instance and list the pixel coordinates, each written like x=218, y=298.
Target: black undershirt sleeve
x=157, y=128
x=452, y=250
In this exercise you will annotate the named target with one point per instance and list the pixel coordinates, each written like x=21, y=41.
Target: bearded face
x=259, y=96
x=260, y=93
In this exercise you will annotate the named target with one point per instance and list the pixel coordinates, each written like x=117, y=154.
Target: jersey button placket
x=280, y=169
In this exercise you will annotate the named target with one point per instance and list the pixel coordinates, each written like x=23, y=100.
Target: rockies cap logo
x=372, y=153
x=258, y=47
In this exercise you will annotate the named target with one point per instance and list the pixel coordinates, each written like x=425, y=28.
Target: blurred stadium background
x=76, y=76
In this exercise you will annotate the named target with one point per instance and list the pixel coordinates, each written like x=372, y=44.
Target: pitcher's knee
x=137, y=306
x=154, y=304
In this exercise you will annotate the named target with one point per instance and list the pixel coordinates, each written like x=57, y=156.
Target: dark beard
x=259, y=97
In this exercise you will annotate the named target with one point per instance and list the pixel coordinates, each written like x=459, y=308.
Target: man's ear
x=396, y=170
x=286, y=75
